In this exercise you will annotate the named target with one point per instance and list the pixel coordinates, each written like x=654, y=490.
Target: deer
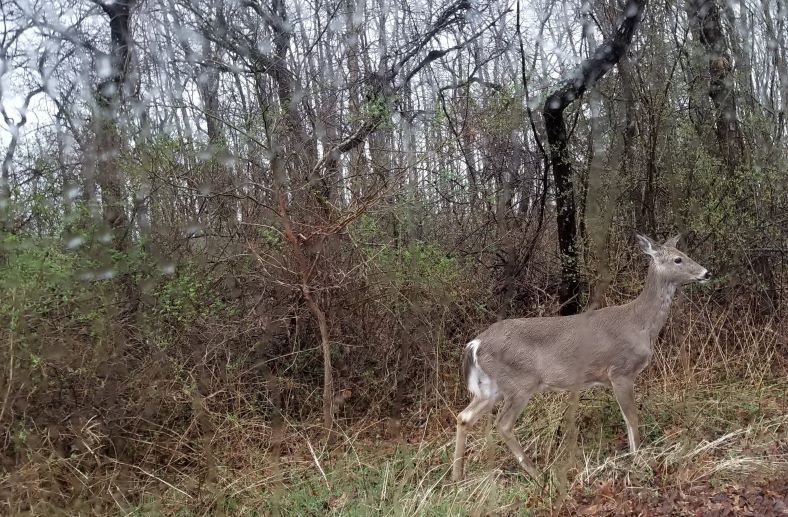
x=513, y=359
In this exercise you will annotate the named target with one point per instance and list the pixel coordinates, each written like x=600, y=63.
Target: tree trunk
x=706, y=27
x=111, y=94
x=304, y=272
x=590, y=71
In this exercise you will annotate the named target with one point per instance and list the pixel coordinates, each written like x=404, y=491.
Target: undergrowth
x=729, y=440
x=149, y=390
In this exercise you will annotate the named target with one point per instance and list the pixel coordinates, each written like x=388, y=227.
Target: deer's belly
x=573, y=386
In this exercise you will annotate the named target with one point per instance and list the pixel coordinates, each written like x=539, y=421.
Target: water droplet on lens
x=75, y=242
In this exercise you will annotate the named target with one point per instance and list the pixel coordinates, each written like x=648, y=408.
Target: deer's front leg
x=624, y=390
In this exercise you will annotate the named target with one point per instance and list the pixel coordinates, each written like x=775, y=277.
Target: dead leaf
x=335, y=502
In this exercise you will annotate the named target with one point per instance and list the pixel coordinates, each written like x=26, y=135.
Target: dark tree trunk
x=109, y=99
x=706, y=26
x=590, y=71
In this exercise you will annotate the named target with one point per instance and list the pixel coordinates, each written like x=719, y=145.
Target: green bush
x=187, y=295
x=37, y=277
x=417, y=268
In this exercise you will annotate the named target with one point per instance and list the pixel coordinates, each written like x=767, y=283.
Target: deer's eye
x=677, y=260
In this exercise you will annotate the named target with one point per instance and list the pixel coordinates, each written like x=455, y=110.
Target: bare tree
x=117, y=85
x=706, y=25
x=583, y=78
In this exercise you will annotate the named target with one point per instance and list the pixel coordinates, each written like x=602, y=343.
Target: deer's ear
x=648, y=246
x=671, y=243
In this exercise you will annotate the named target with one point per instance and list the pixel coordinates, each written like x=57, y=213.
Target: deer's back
x=558, y=353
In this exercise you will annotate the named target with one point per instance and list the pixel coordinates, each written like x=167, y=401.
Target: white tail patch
x=479, y=383
x=473, y=346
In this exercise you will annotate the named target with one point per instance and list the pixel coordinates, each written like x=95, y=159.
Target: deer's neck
x=653, y=304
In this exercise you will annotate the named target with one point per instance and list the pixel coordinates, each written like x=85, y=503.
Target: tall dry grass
x=182, y=436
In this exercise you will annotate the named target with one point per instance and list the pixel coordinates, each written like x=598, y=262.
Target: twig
x=314, y=457
x=157, y=478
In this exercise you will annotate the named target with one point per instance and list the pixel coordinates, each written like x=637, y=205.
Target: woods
x=242, y=240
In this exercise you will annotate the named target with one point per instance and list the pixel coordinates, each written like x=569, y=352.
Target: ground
x=719, y=449
x=764, y=498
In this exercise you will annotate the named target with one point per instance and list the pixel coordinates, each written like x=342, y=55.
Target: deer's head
x=671, y=264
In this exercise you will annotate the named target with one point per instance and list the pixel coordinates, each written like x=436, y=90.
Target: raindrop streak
x=86, y=276
x=205, y=189
x=193, y=230
x=265, y=46
x=75, y=242
x=104, y=67
x=105, y=275
x=72, y=192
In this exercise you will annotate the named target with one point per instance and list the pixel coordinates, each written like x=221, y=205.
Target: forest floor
x=709, y=449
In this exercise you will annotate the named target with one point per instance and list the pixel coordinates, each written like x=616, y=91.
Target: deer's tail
x=478, y=382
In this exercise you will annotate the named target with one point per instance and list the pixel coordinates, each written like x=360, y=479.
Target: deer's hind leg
x=478, y=407
x=513, y=406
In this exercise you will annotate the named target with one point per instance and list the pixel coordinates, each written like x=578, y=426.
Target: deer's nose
x=707, y=275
